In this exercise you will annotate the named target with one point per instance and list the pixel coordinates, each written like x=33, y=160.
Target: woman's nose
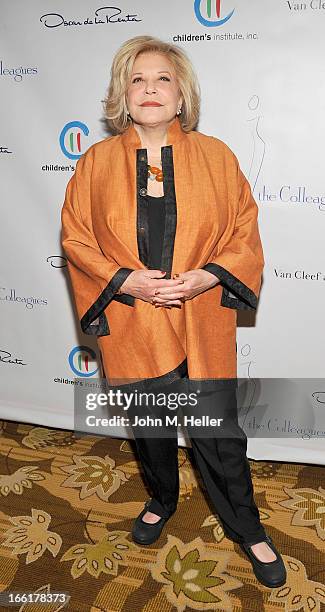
x=150, y=88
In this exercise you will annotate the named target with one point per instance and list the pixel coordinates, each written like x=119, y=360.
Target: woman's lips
x=151, y=104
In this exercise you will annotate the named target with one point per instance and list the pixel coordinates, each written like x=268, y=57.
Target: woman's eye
x=136, y=79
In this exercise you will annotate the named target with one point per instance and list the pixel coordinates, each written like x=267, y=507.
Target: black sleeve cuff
x=243, y=298
x=96, y=311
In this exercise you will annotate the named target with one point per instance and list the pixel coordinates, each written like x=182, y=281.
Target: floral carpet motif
x=67, y=505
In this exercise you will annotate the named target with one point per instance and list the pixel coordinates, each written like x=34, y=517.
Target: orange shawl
x=211, y=223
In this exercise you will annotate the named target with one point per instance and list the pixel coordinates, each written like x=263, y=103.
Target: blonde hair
x=115, y=108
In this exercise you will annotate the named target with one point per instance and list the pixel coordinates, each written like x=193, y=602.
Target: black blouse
x=156, y=216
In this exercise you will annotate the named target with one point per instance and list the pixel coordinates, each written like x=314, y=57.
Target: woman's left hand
x=195, y=282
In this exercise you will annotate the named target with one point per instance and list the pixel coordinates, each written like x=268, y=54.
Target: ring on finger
x=152, y=299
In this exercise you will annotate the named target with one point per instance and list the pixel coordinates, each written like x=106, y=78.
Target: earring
x=179, y=111
x=127, y=112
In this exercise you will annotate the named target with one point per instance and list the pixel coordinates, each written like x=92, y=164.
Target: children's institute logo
x=70, y=139
x=80, y=359
x=210, y=13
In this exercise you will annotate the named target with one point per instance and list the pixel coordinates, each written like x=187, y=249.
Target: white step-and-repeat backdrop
x=261, y=71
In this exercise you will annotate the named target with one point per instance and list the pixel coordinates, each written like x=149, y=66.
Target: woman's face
x=153, y=79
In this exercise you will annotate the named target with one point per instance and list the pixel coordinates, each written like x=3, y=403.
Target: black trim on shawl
x=97, y=309
x=245, y=298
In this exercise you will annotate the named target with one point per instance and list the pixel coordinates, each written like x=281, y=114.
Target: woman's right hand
x=142, y=284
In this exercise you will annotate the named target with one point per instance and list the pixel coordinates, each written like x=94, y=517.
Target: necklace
x=156, y=172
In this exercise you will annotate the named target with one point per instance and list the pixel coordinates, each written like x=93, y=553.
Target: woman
x=161, y=236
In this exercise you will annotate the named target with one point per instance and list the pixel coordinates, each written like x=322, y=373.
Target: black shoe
x=146, y=533
x=271, y=573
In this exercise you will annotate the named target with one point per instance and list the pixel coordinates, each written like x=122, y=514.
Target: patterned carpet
x=67, y=508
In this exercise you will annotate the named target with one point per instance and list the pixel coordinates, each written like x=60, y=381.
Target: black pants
x=223, y=466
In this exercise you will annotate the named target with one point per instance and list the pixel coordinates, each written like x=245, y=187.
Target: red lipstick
x=151, y=104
